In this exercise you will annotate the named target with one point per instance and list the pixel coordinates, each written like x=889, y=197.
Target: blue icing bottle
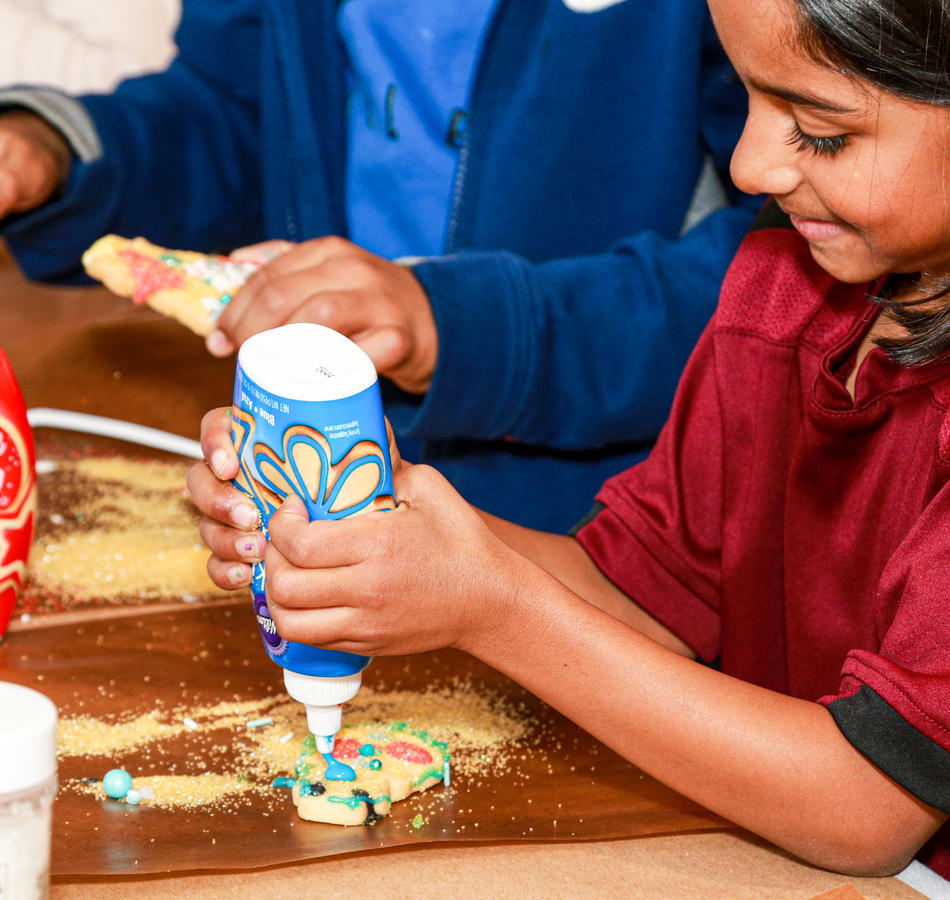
x=308, y=418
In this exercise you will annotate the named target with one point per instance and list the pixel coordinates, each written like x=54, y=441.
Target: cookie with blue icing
x=391, y=762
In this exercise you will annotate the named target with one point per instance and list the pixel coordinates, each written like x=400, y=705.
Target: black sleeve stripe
x=770, y=216
x=595, y=511
x=899, y=750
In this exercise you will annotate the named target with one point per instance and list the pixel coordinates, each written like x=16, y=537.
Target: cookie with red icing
x=190, y=287
x=390, y=761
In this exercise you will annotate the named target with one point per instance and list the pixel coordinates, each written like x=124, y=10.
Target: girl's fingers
x=290, y=587
x=395, y=456
x=220, y=500
x=322, y=544
x=216, y=443
x=330, y=628
x=228, y=574
x=231, y=544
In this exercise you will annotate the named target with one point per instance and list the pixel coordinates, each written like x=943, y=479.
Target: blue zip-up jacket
x=567, y=303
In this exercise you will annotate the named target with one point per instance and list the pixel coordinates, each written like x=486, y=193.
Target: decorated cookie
x=190, y=287
x=391, y=762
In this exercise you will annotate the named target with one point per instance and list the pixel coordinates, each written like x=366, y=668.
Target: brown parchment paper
x=563, y=785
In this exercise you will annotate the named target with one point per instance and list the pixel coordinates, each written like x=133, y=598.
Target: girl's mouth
x=817, y=231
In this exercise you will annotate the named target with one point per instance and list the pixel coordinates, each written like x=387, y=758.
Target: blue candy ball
x=116, y=783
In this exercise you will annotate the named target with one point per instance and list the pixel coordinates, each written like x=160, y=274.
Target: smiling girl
x=791, y=529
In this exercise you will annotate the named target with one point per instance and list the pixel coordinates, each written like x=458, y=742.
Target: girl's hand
x=229, y=524
x=428, y=574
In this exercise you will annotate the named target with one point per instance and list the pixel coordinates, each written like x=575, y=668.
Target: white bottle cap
x=304, y=361
x=324, y=698
x=27, y=738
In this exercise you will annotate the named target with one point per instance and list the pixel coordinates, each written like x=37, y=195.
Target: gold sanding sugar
x=132, y=473
x=481, y=730
x=182, y=791
x=131, y=532
x=460, y=714
x=89, y=736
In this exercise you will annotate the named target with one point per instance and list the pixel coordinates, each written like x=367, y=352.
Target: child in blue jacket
x=548, y=162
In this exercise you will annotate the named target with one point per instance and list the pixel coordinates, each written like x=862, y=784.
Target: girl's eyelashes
x=819, y=146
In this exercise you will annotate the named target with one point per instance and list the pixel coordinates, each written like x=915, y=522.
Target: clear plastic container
x=27, y=788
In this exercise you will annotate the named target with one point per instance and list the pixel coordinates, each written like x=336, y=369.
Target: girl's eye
x=819, y=146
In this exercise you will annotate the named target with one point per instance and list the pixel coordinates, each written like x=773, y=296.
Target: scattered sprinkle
x=116, y=783
x=260, y=723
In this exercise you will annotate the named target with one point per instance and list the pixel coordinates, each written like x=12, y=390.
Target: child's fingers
x=228, y=574
x=261, y=253
x=220, y=499
x=322, y=544
x=395, y=456
x=216, y=444
x=331, y=628
x=230, y=543
x=290, y=587
x=421, y=485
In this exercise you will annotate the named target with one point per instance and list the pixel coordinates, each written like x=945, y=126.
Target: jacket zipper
x=461, y=168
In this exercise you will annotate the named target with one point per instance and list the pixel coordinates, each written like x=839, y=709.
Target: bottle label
x=332, y=453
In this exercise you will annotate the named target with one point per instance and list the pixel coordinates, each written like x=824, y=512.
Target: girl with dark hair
x=792, y=527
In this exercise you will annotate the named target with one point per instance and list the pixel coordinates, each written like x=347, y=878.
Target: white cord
x=42, y=417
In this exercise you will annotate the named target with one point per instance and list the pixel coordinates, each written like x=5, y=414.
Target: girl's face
x=864, y=175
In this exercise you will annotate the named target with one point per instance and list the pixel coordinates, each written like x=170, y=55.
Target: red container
x=17, y=490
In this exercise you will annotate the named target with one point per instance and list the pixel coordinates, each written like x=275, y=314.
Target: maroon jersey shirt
x=798, y=537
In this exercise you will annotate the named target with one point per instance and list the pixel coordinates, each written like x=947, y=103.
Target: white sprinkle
x=190, y=724
x=286, y=737
x=446, y=774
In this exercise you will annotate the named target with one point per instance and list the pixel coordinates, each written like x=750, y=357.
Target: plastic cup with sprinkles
x=27, y=786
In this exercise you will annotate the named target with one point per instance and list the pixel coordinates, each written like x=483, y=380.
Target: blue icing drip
x=337, y=771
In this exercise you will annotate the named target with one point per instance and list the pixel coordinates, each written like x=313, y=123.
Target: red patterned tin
x=17, y=490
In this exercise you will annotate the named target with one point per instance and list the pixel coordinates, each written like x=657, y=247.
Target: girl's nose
x=764, y=162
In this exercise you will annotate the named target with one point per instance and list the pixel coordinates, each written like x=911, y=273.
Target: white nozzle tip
x=324, y=722
x=324, y=698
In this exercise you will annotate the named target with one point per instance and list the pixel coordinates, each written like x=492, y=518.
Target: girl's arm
x=433, y=573
x=775, y=765
x=567, y=561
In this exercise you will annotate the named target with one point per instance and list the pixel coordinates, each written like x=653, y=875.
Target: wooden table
x=84, y=350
